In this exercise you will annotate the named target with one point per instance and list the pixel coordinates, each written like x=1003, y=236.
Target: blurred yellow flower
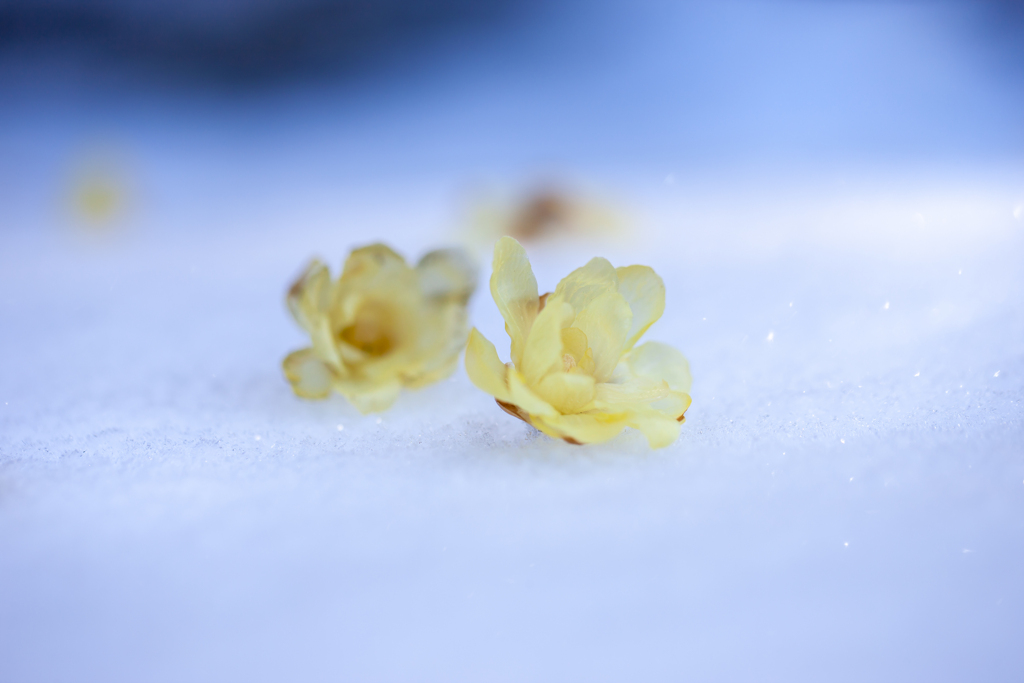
x=381, y=326
x=98, y=199
x=576, y=373
x=100, y=189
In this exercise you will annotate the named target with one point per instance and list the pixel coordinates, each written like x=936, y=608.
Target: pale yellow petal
x=574, y=343
x=484, y=368
x=369, y=397
x=308, y=375
x=605, y=321
x=325, y=346
x=373, y=274
x=644, y=291
x=309, y=296
x=638, y=391
x=392, y=366
x=436, y=372
x=568, y=393
x=660, y=361
x=674, y=405
x=370, y=259
x=585, y=284
x=350, y=355
x=577, y=357
x=660, y=429
x=441, y=340
x=447, y=274
x=582, y=427
x=514, y=289
x=522, y=396
x=542, y=353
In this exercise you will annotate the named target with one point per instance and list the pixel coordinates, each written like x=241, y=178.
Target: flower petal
x=447, y=274
x=576, y=346
x=568, y=392
x=583, y=285
x=660, y=429
x=484, y=368
x=370, y=259
x=436, y=372
x=660, y=361
x=522, y=396
x=373, y=275
x=574, y=343
x=309, y=376
x=309, y=296
x=543, y=351
x=674, y=405
x=606, y=321
x=369, y=397
x=441, y=339
x=644, y=291
x=582, y=427
x=638, y=391
x=325, y=346
x=514, y=289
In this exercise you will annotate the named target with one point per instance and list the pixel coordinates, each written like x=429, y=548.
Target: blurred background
x=245, y=105
x=832, y=190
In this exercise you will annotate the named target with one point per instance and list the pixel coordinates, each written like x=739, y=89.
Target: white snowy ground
x=845, y=502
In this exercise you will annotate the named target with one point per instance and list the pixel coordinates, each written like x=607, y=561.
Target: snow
x=845, y=498
x=845, y=502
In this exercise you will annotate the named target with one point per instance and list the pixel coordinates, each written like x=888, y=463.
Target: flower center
x=577, y=356
x=371, y=332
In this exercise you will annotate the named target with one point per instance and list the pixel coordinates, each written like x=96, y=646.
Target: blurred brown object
x=545, y=213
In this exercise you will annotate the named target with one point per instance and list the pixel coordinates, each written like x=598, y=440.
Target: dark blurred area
x=267, y=40
x=245, y=40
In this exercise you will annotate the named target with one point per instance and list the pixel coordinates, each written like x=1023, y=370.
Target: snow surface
x=845, y=502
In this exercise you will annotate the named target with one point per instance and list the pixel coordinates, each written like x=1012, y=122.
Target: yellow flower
x=381, y=326
x=576, y=373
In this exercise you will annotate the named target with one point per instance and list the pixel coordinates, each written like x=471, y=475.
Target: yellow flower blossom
x=381, y=326
x=576, y=372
